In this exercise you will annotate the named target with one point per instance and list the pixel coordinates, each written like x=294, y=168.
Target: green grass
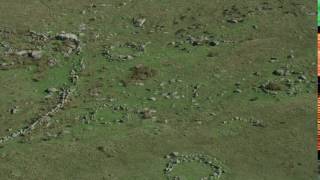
x=117, y=143
x=318, y=14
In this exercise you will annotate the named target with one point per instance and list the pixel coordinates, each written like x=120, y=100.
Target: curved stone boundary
x=175, y=159
x=64, y=98
x=138, y=49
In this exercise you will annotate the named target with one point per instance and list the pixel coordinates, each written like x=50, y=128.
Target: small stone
x=123, y=4
x=22, y=53
x=272, y=60
x=257, y=73
x=52, y=62
x=152, y=99
x=35, y=55
x=257, y=123
x=52, y=90
x=82, y=27
x=67, y=36
x=271, y=86
x=302, y=77
x=14, y=110
x=147, y=113
x=129, y=57
x=237, y=91
x=174, y=154
x=234, y=21
x=280, y=72
x=139, y=22
x=214, y=43
x=101, y=148
x=171, y=81
x=236, y=118
x=162, y=84
x=291, y=56
x=196, y=104
x=172, y=43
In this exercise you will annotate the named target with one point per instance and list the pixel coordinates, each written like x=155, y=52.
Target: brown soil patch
x=142, y=72
x=271, y=86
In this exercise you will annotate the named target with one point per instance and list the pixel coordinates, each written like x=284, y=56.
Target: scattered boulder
x=36, y=55
x=174, y=154
x=291, y=56
x=67, y=36
x=281, y=72
x=196, y=41
x=22, y=53
x=101, y=149
x=138, y=22
x=237, y=91
x=147, y=113
x=152, y=98
x=52, y=90
x=14, y=110
x=72, y=38
x=302, y=77
x=235, y=21
x=257, y=123
x=214, y=43
x=271, y=86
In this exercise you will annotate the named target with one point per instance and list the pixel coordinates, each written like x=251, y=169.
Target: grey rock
x=279, y=72
x=13, y=110
x=234, y=21
x=291, y=56
x=237, y=91
x=257, y=74
x=174, y=154
x=52, y=90
x=138, y=22
x=129, y=57
x=214, y=43
x=67, y=36
x=22, y=53
x=36, y=54
x=302, y=77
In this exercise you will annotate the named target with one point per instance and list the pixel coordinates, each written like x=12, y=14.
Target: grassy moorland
x=147, y=90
